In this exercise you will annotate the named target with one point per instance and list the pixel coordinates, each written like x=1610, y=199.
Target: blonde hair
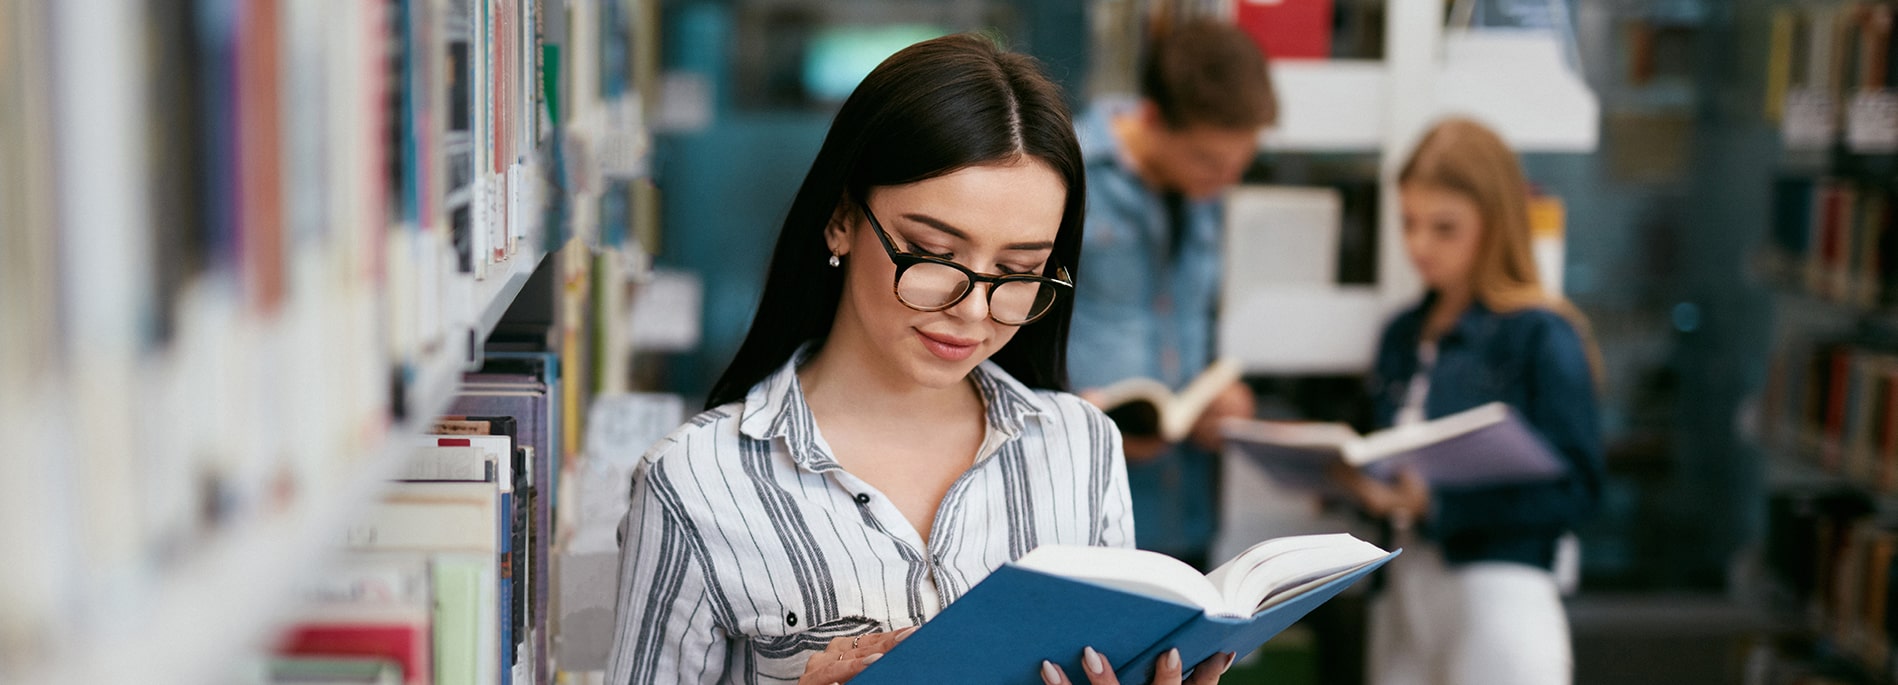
x=1467, y=158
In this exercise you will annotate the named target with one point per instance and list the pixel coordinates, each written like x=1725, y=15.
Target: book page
x=1282, y=565
x=1135, y=389
x=1292, y=433
x=1177, y=420
x=1137, y=571
x=1385, y=443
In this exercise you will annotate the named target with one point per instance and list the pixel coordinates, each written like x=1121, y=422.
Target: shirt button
x=863, y=498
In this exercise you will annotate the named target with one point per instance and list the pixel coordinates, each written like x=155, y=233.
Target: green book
x=467, y=639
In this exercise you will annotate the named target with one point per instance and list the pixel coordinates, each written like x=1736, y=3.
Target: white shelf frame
x=1384, y=107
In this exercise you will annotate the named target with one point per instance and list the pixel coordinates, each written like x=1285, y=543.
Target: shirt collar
x=1471, y=322
x=1096, y=131
x=775, y=408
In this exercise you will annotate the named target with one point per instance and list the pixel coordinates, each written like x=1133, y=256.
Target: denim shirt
x=1139, y=313
x=1534, y=361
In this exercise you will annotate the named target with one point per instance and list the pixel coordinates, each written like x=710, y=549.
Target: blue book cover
x=1004, y=627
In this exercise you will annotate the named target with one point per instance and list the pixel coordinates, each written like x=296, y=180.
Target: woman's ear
x=837, y=230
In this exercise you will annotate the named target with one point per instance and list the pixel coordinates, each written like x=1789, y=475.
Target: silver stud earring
x=834, y=261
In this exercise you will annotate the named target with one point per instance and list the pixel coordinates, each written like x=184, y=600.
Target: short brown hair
x=1208, y=72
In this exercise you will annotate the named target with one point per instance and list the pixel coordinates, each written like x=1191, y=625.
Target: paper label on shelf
x=1811, y=121
x=1871, y=122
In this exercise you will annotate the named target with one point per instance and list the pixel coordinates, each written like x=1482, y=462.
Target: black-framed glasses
x=933, y=284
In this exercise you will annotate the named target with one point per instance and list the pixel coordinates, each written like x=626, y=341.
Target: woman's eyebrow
x=956, y=233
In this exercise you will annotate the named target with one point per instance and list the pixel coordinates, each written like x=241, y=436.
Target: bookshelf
x=237, y=330
x=233, y=593
x=1825, y=415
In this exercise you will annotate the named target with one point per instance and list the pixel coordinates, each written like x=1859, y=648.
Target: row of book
x=1830, y=76
x=1831, y=237
x=447, y=576
x=1836, y=403
x=251, y=244
x=492, y=559
x=1837, y=561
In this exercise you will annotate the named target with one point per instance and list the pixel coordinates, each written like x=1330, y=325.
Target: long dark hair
x=934, y=108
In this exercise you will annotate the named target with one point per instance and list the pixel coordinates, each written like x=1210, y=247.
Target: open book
x=1130, y=605
x=1144, y=407
x=1487, y=445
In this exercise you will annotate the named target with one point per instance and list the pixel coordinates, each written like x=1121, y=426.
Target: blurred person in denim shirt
x=1156, y=168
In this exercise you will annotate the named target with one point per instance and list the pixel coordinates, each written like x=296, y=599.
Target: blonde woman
x=1475, y=600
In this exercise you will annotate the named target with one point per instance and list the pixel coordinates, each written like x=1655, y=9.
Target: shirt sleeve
x=665, y=632
x=1562, y=409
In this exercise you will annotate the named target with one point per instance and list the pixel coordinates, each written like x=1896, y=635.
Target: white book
x=431, y=517
x=433, y=461
x=1144, y=407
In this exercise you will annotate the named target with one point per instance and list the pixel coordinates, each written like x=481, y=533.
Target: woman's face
x=993, y=219
x=1442, y=231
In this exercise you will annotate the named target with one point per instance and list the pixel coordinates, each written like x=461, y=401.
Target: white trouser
x=1487, y=623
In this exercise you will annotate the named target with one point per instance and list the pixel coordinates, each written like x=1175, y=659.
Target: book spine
x=505, y=562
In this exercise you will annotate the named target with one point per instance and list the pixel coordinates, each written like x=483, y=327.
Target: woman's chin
x=934, y=373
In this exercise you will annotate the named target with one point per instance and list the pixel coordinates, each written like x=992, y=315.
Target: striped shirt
x=747, y=547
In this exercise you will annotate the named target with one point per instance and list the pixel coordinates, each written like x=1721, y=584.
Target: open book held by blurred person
x=1147, y=408
x=1487, y=445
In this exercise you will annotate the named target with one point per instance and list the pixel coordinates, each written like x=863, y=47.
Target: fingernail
x=906, y=632
x=1230, y=657
x=1050, y=674
x=1172, y=659
x=871, y=659
x=1092, y=659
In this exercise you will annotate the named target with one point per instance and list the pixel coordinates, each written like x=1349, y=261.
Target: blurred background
x=1717, y=177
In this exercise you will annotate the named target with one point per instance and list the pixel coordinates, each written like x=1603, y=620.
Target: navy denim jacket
x=1534, y=361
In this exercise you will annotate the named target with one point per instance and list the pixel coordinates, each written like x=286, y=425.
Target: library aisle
x=332, y=332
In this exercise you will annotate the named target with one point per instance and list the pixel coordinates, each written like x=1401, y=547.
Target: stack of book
x=449, y=575
x=1835, y=405
x=1832, y=238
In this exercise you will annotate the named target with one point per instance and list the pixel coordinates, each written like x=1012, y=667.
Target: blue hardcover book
x=1129, y=605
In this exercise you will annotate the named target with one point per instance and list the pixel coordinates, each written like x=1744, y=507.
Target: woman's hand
x=1405, y=501
x=845, y=657
x=1166, y=672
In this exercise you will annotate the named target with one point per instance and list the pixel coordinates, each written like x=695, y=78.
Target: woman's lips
x=947, y=347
